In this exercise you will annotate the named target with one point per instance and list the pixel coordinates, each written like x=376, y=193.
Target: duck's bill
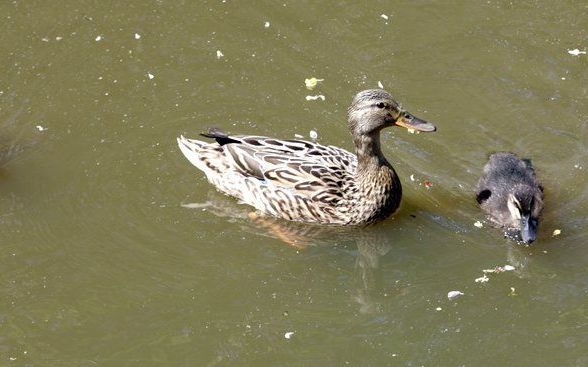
x=415, y=123
x=528, y=229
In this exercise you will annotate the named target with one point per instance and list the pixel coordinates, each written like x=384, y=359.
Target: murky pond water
x=103, y=263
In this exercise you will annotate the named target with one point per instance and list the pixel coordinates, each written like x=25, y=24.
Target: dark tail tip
x=214, y=133
x=220, y=136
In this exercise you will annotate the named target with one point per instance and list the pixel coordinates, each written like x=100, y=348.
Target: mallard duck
x=511, y=194
x=304, y=181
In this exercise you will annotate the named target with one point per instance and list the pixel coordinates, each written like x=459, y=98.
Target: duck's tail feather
x=192, y=150
x=220, y=136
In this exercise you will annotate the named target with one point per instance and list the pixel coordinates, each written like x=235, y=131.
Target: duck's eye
x=381, y=105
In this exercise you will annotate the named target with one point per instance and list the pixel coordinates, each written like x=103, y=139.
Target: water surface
x=102, y=265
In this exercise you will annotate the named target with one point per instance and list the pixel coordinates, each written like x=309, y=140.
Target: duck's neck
x=379, y=188
x=370, y=158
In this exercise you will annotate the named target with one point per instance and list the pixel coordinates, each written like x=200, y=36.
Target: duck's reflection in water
x=371, y=242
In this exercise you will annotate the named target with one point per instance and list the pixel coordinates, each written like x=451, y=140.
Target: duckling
x=304, y=181
x=511, y=194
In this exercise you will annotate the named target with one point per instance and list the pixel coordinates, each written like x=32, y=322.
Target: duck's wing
x=256, y=155
x=295, y=168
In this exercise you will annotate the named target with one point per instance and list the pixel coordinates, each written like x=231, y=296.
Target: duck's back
x=292, y=179
x=504, y=170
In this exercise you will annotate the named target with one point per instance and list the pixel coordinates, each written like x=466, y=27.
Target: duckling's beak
x=528, y=229
x=412, y=122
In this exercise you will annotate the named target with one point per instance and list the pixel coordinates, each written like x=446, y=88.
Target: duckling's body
x=511, y=194
x=305, y=181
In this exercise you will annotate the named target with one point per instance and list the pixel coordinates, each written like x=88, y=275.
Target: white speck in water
x=482, y=279
x=478, y=224
x=45, y=39
x=563, y=78
x=219, y=54
x=454, y=294
x=438, y=309
x=313, y=134
x=576, y=52
x=380, y=85
x=266, y=24
x=98, y=38
x=41, y=128
x=288, y=334
x=298, y=136
x=58, y=38
x=314, y=98
x=150, y=76
x=311, y=83
x=137, y=36
x=412, y=177
x=557, y=232
x=578, y=166
x=384, y=16
x=508, y=268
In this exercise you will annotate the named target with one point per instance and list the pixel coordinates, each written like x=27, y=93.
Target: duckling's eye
x=381, y=105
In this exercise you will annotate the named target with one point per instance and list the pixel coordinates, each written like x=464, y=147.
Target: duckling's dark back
x=506, y=175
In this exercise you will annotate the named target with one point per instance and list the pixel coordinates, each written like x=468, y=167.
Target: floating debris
x=380, y=85
x=98, y=38
x=438, y=309
x=288, y=334
x=454, y=294
x=137, y=36
x=45, y=39
x=298, y=136
x=58, y=38
x=499, y=269
x=219, y=54
x=482, y=279
x=315, y=97
x=576, y=52
x=428, y=184
x=557, y=232
x=512, y=291
x=384, y=16
x=412, y=178
x=313, y=134
x=495, y=270
x=412, y=131
x=311, y=83
x=478, y=224
x=41, y=128
x=150, y=76
x=266, y=24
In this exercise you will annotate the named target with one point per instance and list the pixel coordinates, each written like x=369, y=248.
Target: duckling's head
x=525, y=204
x=374, y=109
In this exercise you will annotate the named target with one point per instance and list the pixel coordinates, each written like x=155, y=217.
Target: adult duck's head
x=374, y=109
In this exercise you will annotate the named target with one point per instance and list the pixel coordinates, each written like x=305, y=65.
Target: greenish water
x=102, y=265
